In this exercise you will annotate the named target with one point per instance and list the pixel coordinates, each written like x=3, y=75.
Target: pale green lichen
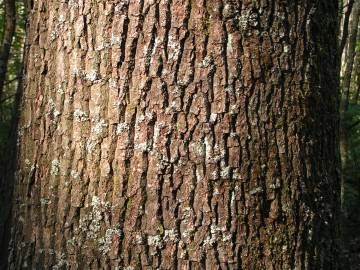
x=105, y=243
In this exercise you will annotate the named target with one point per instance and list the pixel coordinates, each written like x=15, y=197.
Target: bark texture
x=178, y=135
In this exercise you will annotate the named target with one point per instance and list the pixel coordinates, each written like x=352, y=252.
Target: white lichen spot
x=156, y=134
x=256, y=191
x=99, y=127
x=56, y=113
x=61, y=19
x=209, y=240
x=95, y=201
x=207, y=150
x=74, y=174
x=143, y=147
x=27, y=162
x=150, y=116
x=155, y=241
x=113, y=84
x=71, y=242
x=90, y=146
x=225, y=172
x=247, y=19
x=187, y=212
x=229, y=89
x=139, y=239
x=45, y=201
x=188, y=233
x=77, y=72
x=105, y=243
x=61, y=262
x=115, y=40
x=229, y=46
x=80, y=116
x=174, y=48
x=171, y=235
x=55, y=167
x=286, y=49
x=53, y=35
x=206, y=62
x=216, y=234
x=213, y=117
x=60, y=90
x=226, y=237
x=92, y=75
x=120, y=7
x=122, y=127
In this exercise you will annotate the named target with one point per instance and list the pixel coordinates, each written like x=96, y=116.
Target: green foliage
x=351, y=168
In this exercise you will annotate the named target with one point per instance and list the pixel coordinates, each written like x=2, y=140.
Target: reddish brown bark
x=179, y=134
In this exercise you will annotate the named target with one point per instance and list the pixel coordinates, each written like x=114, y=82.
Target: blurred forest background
x=12, y=37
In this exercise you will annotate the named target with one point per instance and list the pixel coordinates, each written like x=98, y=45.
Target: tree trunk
x=346, y=85
x=178, y=135
x=350, y=58
x=345, y=28
x=8, y=35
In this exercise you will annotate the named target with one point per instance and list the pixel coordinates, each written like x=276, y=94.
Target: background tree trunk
x=178, y=134
x=346, y=84
x=8, y=35
x=345, y=28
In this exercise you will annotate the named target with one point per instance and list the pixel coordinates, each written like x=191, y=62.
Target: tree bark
x=179, y=135
x=9, y=32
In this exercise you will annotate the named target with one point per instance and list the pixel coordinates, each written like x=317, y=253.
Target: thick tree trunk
x=179, y=134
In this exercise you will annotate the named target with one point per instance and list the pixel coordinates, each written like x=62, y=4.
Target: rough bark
x=178, y=135
x=9, y=32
